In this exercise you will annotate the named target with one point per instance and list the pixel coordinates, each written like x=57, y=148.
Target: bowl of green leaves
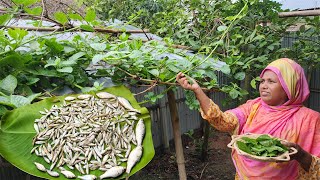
x=263, y=147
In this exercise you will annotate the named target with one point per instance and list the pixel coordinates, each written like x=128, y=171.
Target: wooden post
x=177, y=135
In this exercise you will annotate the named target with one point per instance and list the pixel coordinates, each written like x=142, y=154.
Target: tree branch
x=102, y=30
x=135, y=77
x=299, y=13
x=154, y=84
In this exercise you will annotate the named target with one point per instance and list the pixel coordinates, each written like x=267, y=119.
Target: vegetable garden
x=79, y=49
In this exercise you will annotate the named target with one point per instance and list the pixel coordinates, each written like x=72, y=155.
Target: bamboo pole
x=300, y=13
x=177, y=135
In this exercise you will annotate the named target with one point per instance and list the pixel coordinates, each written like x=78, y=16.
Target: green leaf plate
x=17, y=132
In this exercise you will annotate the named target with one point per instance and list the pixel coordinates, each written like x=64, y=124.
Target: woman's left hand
x=303, y=157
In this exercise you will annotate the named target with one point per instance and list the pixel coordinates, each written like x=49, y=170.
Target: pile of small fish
x=88, y=133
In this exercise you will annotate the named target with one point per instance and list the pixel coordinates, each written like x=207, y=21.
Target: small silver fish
x=140, y=131
x=53, y=173
x=105, y=95
x=40, y=166
x=133, y=158
x=113, y=172
x=87, y=177
x=68, y=174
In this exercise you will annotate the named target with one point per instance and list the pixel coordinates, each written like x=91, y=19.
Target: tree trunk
x=177, y=135
x=204, y=147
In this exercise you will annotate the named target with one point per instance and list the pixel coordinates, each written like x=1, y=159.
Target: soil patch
x=217, y=165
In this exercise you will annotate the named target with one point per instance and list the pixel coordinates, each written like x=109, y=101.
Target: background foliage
x=246, y=35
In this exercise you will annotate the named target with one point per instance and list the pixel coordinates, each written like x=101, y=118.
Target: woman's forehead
x=269, y=74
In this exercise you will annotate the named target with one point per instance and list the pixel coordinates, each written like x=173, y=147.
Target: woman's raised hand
x=187, y=82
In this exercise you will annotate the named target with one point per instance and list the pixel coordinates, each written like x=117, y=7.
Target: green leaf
x=253, y=84
x=173, y=68
x=253, y=34
x=14, y=60
x=87, y=28
x=3, y=110
x=271, y=47
x=222, y=28
x=5, y=100
x=4, y=18
x=98, y=57
x=34, y=11
x=61, y=17
x=225, y=69
x=66, y=70
x=90, y=16
x=124, y=37
x=67, y=63
x=240, y=76
x=17, y=34
x=98, y=46
x=9, y=84
x=25, y=2
x=32, y=97
x=75, y=17
x=55, y=46
x=230, y=18
x=76, y=56
x=154, y=72
x=17, y=132
x=136, y=54
x=19, y=101
x=32, y=80
x=243, y=146
x=234, y=93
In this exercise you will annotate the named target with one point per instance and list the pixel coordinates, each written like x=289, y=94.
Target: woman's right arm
x=226, y=122
x=203, y=99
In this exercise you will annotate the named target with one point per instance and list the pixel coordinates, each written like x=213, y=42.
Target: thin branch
x=63, y=29
x=203, y=170
x=42, y=13
x=154, y=84
x=146, y=35
x=5, y=3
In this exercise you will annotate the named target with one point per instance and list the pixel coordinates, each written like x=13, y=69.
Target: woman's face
x=271, y=91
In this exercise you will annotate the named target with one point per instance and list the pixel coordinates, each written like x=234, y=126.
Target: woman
x=279, y=111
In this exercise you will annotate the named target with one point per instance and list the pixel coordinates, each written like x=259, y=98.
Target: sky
x=299, y=4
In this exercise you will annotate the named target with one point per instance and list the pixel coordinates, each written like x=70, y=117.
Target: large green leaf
x=9, y=84
x=17, y=132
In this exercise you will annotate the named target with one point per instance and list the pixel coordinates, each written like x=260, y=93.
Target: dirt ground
x=217, y=166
